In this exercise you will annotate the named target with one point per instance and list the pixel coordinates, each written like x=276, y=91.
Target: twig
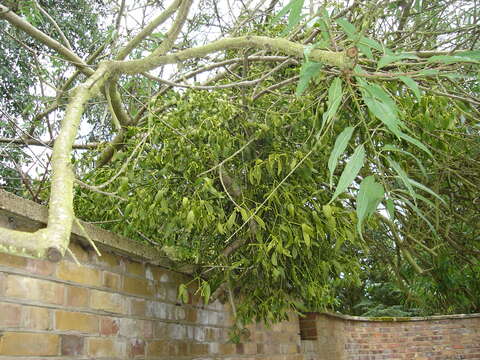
x=95, y=189
x=87, y=236
x=49, y=144
x=55, y=25
x=220, y=175
x=276, y=86
x=73, y=256
x=229, y=158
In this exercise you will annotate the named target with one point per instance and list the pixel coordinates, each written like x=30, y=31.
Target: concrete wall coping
x=401, y=319
x=27, y=215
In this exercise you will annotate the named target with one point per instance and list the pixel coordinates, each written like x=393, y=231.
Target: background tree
x=333, y=159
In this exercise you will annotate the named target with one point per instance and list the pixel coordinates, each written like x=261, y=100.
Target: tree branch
x=52, y=242
x=21, y=24
x=27, y=142
x=147, y=30
x=332, y=58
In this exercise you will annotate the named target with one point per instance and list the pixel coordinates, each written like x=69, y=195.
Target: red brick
x=109, y=326
x=40, y=267
x=36, y=318
x=136, y=347
x=111, y=280
x=9, y=315
x=77, y=296
x=26, y=344
x=34, y=289
x=72, y=345
x=8, y=260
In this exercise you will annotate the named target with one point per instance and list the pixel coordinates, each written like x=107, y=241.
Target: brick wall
x=113, y=307
x=430, y=338
x=121, y=305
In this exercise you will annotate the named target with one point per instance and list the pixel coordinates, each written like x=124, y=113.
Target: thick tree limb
x=332, y=58
x=166, y=45
x=52, y=242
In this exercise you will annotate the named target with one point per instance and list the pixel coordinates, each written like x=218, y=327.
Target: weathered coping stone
x=402, y=319
x=19, y=213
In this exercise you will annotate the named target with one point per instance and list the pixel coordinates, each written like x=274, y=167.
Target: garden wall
x=121, y=305
x=429, y=338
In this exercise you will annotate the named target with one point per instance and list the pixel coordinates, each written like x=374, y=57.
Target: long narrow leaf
x=335, y=94
x=347, y=27
x=420, y=214
x=403, y=176
x=388, y=59
x=294, y=9
x=415, y=142
x=307, y=72
x=285, y=10
x=371, y=43
x=295, y=14
x=384, y=113
x=390, y=206
x=390, y=147
x=426, y=189
x=412, y=85
x=369, y=196
x=447, y=59
x=355, y=163
x=340, y=145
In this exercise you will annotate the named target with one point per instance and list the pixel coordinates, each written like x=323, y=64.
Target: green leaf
x=295, y=14
x=390, y=147
x=389, y=204
x=415, y=142
x=378, y=92
x=448, y=59
x=340, y=145
x=420, y=214
x=190, y=218
x=350, y=172
x=335, y=95
x=183, y=293
x=324, y=30
x=309, y=69
x=365, y=50
x=285, y=10
x=426, y=189
x=388, y=59
x=260, y=222
x=369, y=196
x=307, y=231
x=403, y=176
x=347, y=27
x=384, y=113
x=294, y=9
x=371, y=43
x=474, y=54
x=419, y=197
x=206, y=291
x=412, y=85
x=429, y=72
x=231, y=219
x=158, y=35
